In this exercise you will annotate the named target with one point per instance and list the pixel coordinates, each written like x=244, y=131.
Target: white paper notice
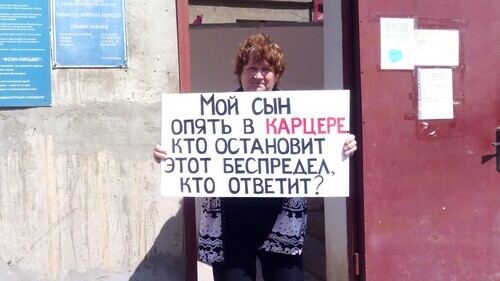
x=435, y=93
x=397, y=43
x=436, y=47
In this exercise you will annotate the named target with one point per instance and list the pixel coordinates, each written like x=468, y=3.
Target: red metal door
x=431, y=189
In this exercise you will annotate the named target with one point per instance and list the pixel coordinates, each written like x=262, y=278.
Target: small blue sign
x=89, y=33
x=25, y=53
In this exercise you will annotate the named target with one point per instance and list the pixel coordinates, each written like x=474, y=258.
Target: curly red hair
x=260, y=47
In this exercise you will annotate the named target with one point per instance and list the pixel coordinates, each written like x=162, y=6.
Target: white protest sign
x=255, y=144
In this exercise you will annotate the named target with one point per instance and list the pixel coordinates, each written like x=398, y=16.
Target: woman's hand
x=350, y=145
x=159, y=153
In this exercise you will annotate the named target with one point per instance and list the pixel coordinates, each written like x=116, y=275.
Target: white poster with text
x=255, y=144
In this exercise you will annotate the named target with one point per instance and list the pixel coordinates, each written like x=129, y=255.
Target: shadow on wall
x=159, y=264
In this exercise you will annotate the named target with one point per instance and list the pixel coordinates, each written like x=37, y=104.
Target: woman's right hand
x=159, y=153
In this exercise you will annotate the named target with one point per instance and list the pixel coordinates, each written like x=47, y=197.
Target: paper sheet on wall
x=403, y=47
x=436, y=47
x=435, y=93
x=397, y=43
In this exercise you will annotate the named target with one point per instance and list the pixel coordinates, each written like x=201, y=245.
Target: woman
x=236, y=231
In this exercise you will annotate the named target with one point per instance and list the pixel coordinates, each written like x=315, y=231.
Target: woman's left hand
x=350, y=145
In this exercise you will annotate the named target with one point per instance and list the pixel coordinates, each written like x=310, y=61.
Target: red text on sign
x=314, y=126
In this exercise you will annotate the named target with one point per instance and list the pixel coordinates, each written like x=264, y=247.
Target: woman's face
x=258, y=76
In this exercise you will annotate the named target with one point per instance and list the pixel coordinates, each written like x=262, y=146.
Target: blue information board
x=24, y=53
x=89, y=33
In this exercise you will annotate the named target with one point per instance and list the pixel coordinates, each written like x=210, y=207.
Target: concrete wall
x=79, y=191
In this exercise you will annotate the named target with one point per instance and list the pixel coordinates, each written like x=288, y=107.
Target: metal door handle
x=497, y=144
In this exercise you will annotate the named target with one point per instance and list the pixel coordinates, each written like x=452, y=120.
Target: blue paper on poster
x=89, y=33
x=24, y=53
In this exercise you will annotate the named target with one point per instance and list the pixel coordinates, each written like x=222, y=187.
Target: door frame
x=183, y=42
x=351, y=81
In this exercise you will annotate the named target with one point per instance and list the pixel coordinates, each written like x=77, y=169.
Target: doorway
x=213, y=48
x=209, y=72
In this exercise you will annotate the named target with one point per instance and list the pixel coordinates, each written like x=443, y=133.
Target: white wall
x=79, y=192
